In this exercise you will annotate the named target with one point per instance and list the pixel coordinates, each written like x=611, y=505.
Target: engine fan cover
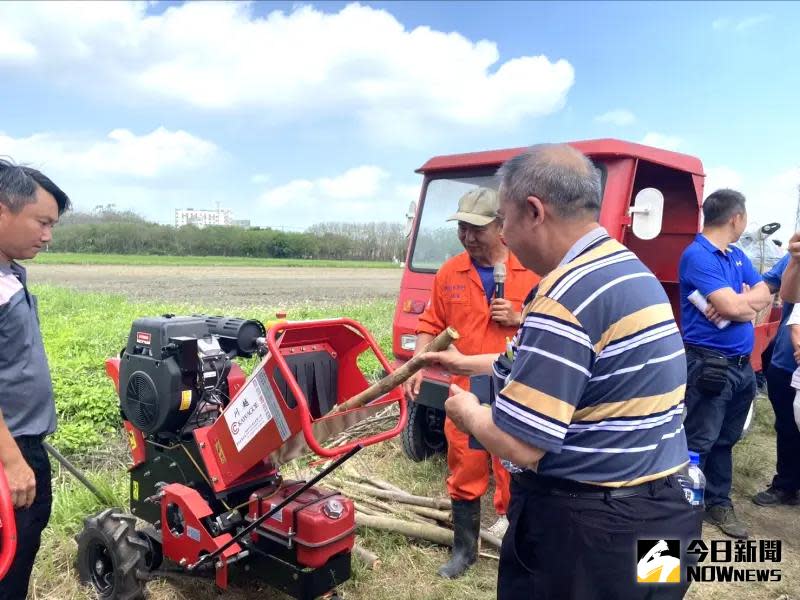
x=154, y=395
x=141, y=402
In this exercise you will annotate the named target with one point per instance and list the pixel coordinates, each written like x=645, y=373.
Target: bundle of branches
x=380, y=421
x=383, y=506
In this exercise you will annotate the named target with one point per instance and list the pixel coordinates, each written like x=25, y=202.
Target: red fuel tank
x=319, y=523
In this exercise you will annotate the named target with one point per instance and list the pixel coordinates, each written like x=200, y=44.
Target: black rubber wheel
x=110, y=554
x=423, y=435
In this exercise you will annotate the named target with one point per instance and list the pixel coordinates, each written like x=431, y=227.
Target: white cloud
x=120, y=153
x=619, y=117
x=740, y=25
x=361, y=194
x=776, y=199
x=360, y=182
x=770, y=198
x=659, y=140
x=218, y=56
x=721, y=177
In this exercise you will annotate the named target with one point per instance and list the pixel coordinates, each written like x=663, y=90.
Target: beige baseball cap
x=477, y=207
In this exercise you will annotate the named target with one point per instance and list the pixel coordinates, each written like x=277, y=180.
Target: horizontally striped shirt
x=598, y=373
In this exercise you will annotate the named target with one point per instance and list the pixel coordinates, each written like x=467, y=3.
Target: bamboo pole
x=381, y=484
x=365, y=509
x=437, y=503
x=431, y=533
x=392, y=380
x=431, y=513
x=399, y=511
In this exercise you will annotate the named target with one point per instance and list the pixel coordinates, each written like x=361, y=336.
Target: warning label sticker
x=248, y=413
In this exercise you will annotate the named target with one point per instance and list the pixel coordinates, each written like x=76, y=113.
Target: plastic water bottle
x=693, y=481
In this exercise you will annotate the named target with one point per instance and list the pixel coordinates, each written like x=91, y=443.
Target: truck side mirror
x=648, y=213
x=770, y=228
x=412, y=210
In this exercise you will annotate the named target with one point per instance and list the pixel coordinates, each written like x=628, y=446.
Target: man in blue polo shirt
x=786, y=482
x=720, y=383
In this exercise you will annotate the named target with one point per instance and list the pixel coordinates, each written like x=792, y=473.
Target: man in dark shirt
x=30, y=204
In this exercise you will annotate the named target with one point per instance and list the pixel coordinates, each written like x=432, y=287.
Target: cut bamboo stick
x=370, y=559
x=431, y=533
x=392, y=380
x=491, y=539
x=487, y=555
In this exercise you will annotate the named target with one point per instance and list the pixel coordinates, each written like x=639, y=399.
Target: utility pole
x=797, y=211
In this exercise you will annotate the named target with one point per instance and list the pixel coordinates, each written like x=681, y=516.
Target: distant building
x=203, y=218
x=243, y=223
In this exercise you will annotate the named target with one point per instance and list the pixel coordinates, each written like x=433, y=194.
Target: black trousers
x=714, y=423
x=30, y=521
x=781, y=396
x=572, y=548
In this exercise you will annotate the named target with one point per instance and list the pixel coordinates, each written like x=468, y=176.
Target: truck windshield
x=437, y=239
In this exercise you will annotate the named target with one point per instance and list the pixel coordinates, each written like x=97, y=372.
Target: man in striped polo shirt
x=589, y=396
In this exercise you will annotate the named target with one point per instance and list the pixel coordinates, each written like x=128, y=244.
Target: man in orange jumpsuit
x=463, y=297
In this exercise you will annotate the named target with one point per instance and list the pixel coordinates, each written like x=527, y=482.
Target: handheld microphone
x=499, y=280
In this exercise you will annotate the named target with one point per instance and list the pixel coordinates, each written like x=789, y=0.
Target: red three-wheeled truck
x=651, y=203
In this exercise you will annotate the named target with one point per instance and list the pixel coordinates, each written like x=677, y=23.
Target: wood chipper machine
x=206, y=494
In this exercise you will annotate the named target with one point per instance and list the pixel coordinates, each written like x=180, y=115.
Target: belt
x=737, y=361
x=554, y=486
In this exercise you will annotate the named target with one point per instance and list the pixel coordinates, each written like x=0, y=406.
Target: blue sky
x=296, y=113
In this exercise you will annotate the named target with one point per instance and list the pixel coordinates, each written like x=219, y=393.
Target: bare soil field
x=237, y=286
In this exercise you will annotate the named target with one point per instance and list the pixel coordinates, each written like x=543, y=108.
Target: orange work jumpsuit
x=459, y=300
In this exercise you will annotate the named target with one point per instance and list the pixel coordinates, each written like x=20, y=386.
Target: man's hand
x=712, y=314
x=793, y=247
x=460, y=405
x=21, y=482
x=794, y=334
x=451, y=360
x=503, y=313
x=412, y=384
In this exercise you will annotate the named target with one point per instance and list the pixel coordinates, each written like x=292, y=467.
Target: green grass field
x=70, y=258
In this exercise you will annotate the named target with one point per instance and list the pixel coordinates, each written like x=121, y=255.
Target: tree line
x=109, y=231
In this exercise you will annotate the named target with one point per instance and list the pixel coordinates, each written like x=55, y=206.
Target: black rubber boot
x=466, y=528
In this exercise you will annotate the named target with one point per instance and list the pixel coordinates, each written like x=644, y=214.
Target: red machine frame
x=8, y=526
x=248, y=469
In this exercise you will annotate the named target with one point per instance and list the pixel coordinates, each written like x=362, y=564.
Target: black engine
x=174, y=368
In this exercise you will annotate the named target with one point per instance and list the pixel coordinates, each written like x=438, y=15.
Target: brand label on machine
x=249, y=412
x=274, y=407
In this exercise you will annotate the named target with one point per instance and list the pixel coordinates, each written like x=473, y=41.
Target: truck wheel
x=423, y=435
x=110, y=555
